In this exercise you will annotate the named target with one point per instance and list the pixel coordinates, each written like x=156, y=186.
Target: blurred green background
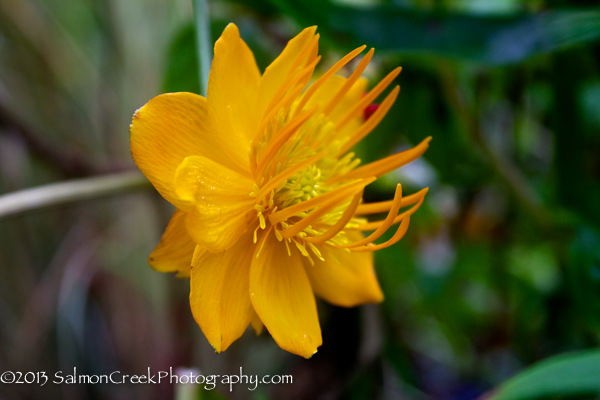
x=499, y=270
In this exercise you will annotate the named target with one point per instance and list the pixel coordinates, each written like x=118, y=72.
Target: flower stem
x=54, y=194
x=203, y=48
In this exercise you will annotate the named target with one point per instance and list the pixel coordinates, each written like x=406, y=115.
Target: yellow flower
x=268, y=195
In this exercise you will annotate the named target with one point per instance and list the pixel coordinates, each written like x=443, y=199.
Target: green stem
x=54, y=194
x=203, y=47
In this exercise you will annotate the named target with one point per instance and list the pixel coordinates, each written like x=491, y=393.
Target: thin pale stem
x=203, y=41
x=55, y=194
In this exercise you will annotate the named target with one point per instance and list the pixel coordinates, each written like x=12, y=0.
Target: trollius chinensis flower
x=268, y=192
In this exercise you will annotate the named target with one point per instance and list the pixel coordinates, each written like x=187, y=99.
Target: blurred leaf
x=486, y=39
x=262, y=7
x=590, y=105
x=537, y=266
x=182, y=64
x=181, y=73
x=584, y=277
x=564, y=375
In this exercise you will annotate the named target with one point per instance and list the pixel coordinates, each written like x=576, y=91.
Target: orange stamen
x=368, y=99
x=349, y=82
x=309, y=52
x=336, y=67
x=383, y=206
x=372, y=122
x=288, y=130
x=274, y=106
x=396, y=238
x=304, y=223
x=375, y=224
x=333, y=196
x=386, y=165
x=389, y=221
x=335, y=229
x=286, y=84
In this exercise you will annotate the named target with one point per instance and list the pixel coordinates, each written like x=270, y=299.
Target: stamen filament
x=386, y=165
x=336, y=67
x=308, y=50
x=292, y=77
x=280, y=99
x=288, y=130
x=369, y=226
x=387, y=222
x=372, y=122
x=340, y=192
x=396, y=238
x=383, y=206
x=305, y=222
x=349, y=82
x=263, y=240
x=335, y=229
x=316, y=251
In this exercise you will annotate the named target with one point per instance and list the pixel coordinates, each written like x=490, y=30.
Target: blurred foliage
x=499, y=270
x=569, y=375
x=486, y=39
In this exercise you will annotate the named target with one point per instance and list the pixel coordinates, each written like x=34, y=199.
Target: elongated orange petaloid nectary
x=268, y=194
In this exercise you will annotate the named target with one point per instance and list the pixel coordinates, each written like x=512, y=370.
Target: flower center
x=303, y=186
x=308, y=188
x=294, y=158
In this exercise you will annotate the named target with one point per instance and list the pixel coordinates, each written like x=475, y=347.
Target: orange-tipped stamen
x=314, y=52
x=314, y=55
x=386, y=165
x=291, y=81
x=360, y=68
x=334, y=195
x=387, y=222
x=336, y=67
x=311, y=50
x=372, y=122
x=384, y=206
x=369, y=226
x=279, y=99
x=368, y=99
x=292, y=74
x=335, y=229
x=396, y=238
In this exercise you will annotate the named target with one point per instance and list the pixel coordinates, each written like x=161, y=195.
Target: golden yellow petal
x=283, y=299
x=175, y=249
x=166, y=130
x=232, y=94
x=344, y=279
x=276, y=73
x=219, y=295
x=223, y=206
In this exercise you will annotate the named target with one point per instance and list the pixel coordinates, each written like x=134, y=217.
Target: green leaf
x=181, y=74
x=485, y=39
x=564, y=375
